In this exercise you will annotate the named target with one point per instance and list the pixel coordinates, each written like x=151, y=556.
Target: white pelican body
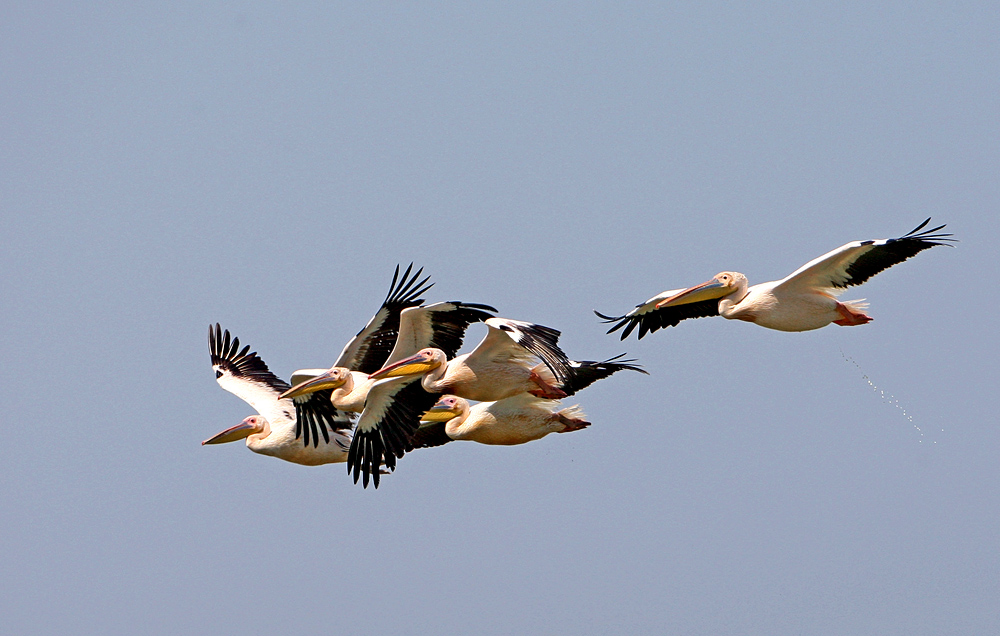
x=790, y=304
x=504, y=364
x=804, y=300
x=273, y=431
x=514, y=420
x=281, y=442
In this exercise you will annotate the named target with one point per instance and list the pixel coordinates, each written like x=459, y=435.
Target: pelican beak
x=706, y=291
x=414, y=365
x=234, y=434
x=320, y=382
x=438, y=413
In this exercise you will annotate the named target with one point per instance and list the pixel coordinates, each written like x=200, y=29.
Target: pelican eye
x=506, y=328
x=218, y=374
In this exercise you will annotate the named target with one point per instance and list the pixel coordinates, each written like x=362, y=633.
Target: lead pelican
x=804, y=300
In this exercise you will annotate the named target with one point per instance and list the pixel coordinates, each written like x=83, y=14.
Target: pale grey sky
x=167, y=166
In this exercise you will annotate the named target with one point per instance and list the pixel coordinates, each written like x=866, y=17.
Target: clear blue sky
x=167, y=166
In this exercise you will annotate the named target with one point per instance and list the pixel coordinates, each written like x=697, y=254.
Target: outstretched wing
x=587, y=372
x=856, y=262
x=649, y=319
x=441, y=325
x=429, y=435
x=245, y=375
x=369, y=349
x=521, y=339
x=391, y=416
x=315, y=415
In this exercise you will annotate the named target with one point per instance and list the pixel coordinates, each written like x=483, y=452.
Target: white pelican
x=504, y=364
x=514, y=420
x=273, y=431
x=803, y=300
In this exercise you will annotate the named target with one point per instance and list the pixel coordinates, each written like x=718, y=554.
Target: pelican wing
x=441, y=325
x=368, y=351
x=518, y=340
x=391, y=416
x=587, y=372
x=856, y=262
x=245, y=375
x=316, y=415
x=430, y=434
x=649, y=319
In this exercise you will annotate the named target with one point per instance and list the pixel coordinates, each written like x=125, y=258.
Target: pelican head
x=445, y=409
x=419, y=363
x=249, y=426
x=334, y=378
x=722, y=284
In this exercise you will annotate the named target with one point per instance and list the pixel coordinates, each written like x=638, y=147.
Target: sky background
x=164, y=166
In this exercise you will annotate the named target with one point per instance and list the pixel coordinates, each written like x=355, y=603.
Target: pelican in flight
x=805, y=299
x=514, y=420
x=505, y=364
x=273, y=430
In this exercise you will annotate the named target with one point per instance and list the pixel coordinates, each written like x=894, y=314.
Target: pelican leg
x=571, y=424
x=851, y=318
x=545, y=390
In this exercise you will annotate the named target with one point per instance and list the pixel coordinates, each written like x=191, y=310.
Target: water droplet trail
x=888, y=398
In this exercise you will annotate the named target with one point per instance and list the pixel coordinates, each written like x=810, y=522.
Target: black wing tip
x=622, y=321
x=543, y=342
x=476, y=306
x=606, y=319
x=622, y=365
x=316, y=413
x=365, y=457
x=409, y=288
x=930, y=236
x=226, y=353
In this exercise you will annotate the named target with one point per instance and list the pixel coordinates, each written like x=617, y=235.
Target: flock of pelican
x=400, y=383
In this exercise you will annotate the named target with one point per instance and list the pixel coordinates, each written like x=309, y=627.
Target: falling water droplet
x=890, y=400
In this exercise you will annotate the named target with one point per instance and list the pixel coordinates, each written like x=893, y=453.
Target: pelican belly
x=283, y=445
x=485, y=427
x=795, y=312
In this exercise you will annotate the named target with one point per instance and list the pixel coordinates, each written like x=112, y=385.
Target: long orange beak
x=706, y=291
x=241, y=431
x=438, y=413
x=320, y=382
x=414, y=365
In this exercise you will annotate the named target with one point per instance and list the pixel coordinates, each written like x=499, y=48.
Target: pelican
x=504, y=364
x=514, y=420
x=273, y=430
x=804, y=300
